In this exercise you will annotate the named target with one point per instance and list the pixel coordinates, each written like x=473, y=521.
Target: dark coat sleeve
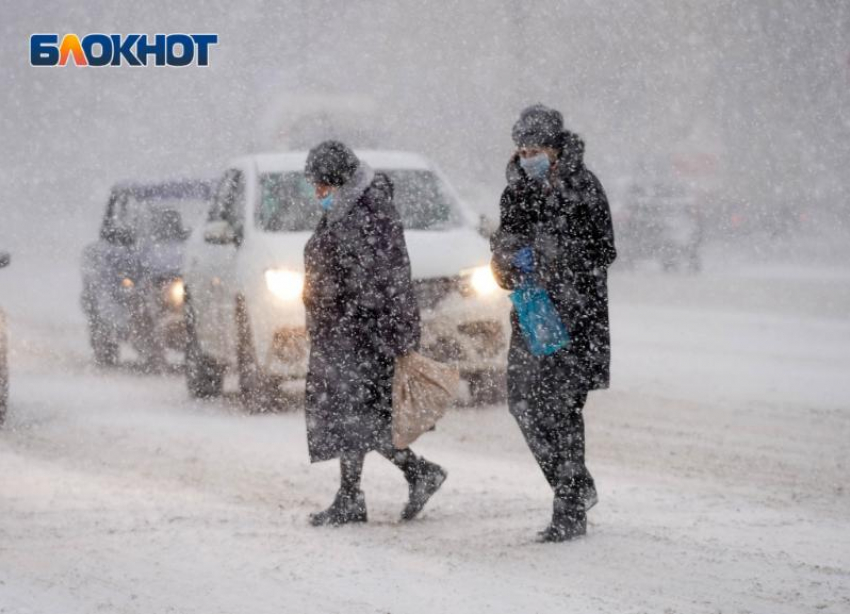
x=519, y=209
x=591, y=242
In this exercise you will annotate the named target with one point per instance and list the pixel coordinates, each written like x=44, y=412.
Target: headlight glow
x=285, y=285
x=483, y=281
x=176, y=292
x=127, y=283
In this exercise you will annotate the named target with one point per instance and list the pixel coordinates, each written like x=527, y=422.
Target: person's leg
x=540, y=428
x=404, y=459
x=350, y=470
x=573, y=470
x=349, y=504
x=530, y=391
x=576, y=443
x=573, y=480
x=424, y=478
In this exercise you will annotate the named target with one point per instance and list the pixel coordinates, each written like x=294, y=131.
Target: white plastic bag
x=422, y=391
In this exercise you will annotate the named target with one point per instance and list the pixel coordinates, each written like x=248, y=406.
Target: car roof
x=176, y=189
x=379, y=159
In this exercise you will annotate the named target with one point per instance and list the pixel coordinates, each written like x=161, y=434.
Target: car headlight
x=482, y=280
x=285, y=285
x=176, y=292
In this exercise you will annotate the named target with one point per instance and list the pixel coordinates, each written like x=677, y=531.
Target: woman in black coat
x=555, y=228
x=361, y=315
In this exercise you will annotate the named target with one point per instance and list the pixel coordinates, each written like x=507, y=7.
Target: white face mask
x=536, y=166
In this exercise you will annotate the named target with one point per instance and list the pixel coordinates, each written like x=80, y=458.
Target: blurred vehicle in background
x=659, y=221
x=775, y=215
x=132, y=275
x=4, y=365
x=245, y=273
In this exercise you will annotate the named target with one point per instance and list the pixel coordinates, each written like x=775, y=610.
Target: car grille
x=429, y=292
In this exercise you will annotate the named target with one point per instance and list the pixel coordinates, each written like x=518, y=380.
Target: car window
x=423, y=201
x=162, y=219
x=133, y=214
x=121, y=215
x=190, y=211
x=288, y=202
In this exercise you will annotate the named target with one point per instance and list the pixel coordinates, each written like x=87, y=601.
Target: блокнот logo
x=122, y=49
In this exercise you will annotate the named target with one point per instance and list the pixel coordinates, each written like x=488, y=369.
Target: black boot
x=347, y=507
x=589, y=496
x=424, y=479
x=569, y=520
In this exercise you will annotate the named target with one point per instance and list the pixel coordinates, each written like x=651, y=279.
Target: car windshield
x=160, y=219
x=288, y=202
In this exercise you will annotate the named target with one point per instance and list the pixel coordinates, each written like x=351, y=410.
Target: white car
x=244, y=272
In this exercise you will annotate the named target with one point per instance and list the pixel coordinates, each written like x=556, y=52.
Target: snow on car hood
x=445, y=253
x=432, y=253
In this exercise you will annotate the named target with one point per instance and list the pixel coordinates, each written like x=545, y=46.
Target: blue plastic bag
x=539, y=321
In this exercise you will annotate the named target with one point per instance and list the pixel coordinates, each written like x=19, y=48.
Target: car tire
x=487, y=388
x=204, y=377
x=260, y=392
x=148, y=343
x=103, y=344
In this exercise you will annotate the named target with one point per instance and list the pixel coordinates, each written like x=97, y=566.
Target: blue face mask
x=327, y=202
x=536, y=166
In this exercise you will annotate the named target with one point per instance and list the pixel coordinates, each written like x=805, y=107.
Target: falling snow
x=720, y=132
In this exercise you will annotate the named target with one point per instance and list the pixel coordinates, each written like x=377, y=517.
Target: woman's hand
x=524, y=260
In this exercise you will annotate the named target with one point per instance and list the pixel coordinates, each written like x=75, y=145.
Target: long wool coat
x=568, y=226
x=361, y=314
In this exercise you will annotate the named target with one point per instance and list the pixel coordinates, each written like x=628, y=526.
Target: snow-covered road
x=721, y=454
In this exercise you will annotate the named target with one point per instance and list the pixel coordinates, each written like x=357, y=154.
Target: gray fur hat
x=538, y=126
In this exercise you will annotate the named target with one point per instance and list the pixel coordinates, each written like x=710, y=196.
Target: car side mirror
x=5, y=259
x=220, y=232
x=486, y=227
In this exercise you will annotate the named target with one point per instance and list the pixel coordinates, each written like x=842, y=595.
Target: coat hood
x=570, y=158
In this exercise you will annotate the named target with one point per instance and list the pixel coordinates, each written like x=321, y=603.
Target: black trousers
x=548, y=406
x=351, y=464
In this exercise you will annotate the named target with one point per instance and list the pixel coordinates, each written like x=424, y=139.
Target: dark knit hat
x=330, y=163
x=538, y=126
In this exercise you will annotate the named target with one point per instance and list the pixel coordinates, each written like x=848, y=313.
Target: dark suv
x=132, y=275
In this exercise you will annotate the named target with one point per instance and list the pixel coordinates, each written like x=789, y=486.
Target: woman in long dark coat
x=556, y=228
x=361, y=315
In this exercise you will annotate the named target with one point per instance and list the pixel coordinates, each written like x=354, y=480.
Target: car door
x=113, y=257
x=212, y=282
